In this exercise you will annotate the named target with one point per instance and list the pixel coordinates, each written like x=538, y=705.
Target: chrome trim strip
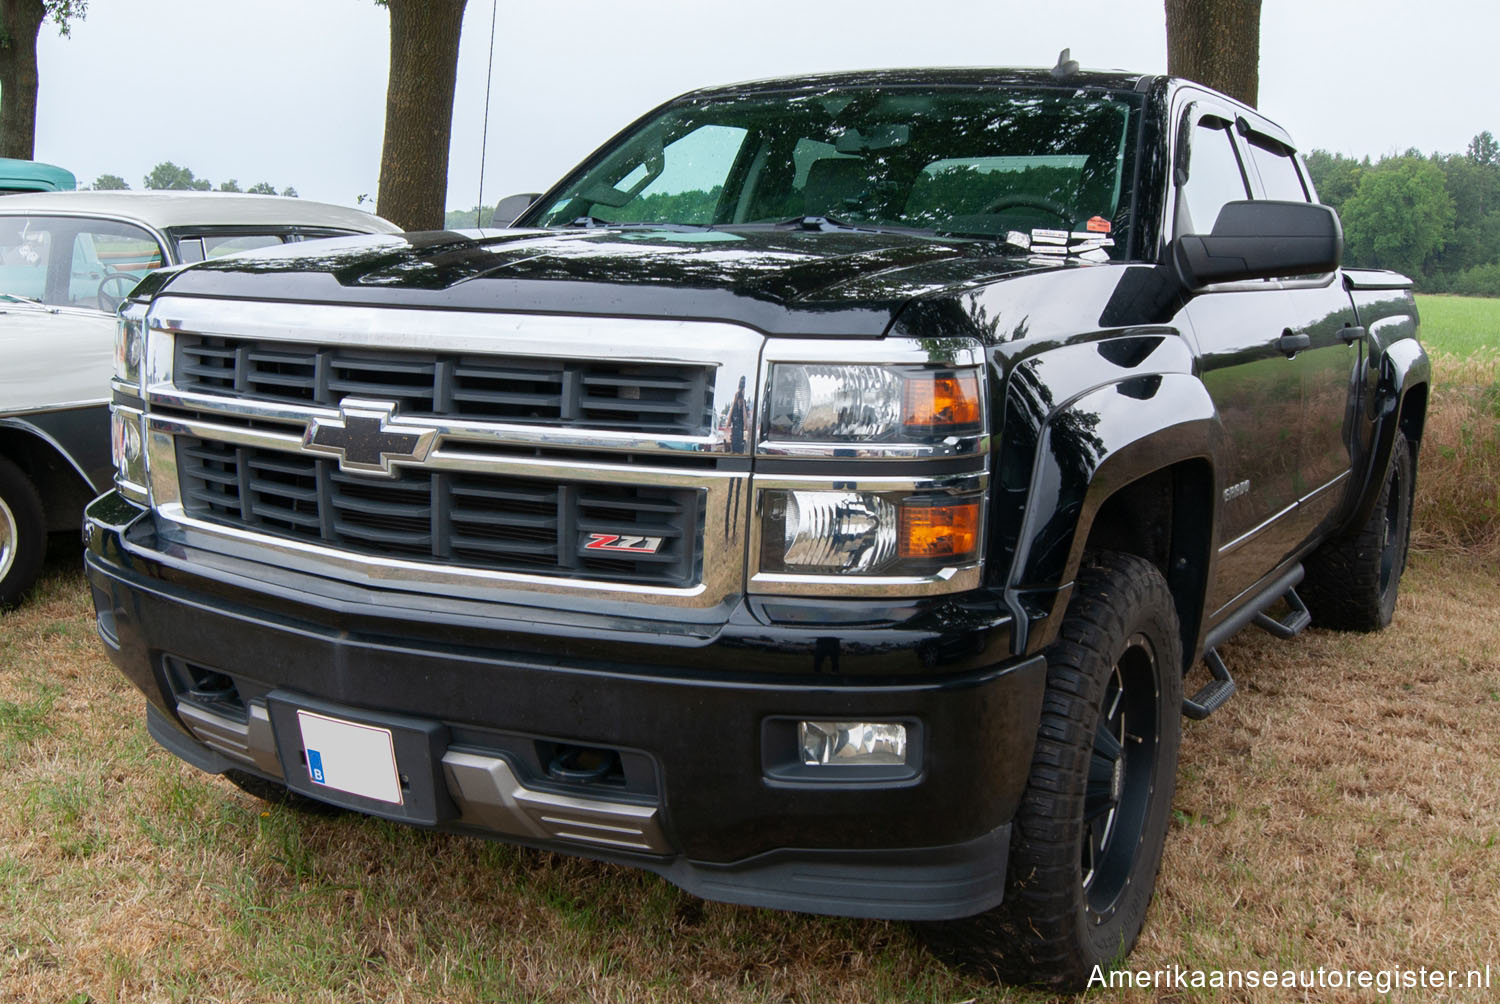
x=48, y=408
x=1245, y=537
x=732, y=350
x=1327, y=485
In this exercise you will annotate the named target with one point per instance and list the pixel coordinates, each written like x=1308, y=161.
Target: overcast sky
x=293, y=91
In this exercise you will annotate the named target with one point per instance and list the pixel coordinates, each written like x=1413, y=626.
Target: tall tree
x=1399, y=215
x=1216, y=42
x=168, y=176
x=110, y=183
x=419, y=111
x=20, y=22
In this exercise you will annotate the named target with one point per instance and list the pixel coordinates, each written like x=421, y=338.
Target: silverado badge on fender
x=364, y=439
x=622, y=542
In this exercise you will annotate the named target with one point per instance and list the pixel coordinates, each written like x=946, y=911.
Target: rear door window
x=1278, y=171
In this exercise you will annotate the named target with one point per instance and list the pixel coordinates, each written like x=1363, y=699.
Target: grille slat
x=496, y=522
x=663, y=399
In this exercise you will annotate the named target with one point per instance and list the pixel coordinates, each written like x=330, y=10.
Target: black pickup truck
x=819, y=497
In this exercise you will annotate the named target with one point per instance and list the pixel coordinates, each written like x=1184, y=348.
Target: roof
x=958, y=76
x=34, y=176
x=164, y=210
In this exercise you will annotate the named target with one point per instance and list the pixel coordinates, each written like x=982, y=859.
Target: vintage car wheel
x=23, y=533
x=1087, y=841
x=1352, y=582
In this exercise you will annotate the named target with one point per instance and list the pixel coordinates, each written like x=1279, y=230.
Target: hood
x=780, y=281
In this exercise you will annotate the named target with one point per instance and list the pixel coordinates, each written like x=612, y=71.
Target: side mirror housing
x=508, y=208
x=1263, y=239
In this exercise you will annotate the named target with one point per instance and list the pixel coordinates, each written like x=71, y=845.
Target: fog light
x=851, y=743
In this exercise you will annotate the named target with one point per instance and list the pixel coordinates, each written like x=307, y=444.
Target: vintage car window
x=216, y=247
x=962, y=161
x=1278, y=172
x=70, y=262
x=1214, y=175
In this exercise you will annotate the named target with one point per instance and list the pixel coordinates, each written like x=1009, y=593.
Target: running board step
x=1214, y=693
x=1290, y=626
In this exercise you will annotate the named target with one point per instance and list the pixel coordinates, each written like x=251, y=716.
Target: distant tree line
x=167, y=176
x=1435, y=218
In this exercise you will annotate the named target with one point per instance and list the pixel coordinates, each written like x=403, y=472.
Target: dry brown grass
x=1344, y=811
x=1458, y=485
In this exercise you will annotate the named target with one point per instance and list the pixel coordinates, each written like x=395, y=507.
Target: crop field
x=1343, y=811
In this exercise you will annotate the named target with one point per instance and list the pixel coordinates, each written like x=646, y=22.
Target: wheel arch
x=60, y=480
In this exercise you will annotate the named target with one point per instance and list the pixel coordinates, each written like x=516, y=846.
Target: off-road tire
x=1051, y=930
x=1351, y=582
x=23, y=533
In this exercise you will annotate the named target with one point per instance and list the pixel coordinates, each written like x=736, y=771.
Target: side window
x=1278, y=171
x=25, y=254
x=216, y=247
x=108, y=259
x=1214, y=177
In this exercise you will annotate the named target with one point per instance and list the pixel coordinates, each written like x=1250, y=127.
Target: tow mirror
x=508, y=208
x=1263, y=239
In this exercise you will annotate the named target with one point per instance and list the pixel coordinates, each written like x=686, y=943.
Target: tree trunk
x=419, y=111
x=20, y=20
x=1216, y=42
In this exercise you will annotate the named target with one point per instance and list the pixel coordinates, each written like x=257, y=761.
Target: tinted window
x=73, y=262
x=1214, y=176
x=1278, y=173
x=970, y=161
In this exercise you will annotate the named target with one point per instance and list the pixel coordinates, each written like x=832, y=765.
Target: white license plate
x=347, y=756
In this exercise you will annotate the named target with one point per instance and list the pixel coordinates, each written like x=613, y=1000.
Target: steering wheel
x=1041, y=202
x=108, y=302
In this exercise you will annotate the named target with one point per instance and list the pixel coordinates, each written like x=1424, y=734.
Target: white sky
x=293, y=91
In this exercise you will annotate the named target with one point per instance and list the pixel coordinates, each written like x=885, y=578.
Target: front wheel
x=1087, y=840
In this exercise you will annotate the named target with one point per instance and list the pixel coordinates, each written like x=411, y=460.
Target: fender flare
x=1088, y=449
x=1403, y=365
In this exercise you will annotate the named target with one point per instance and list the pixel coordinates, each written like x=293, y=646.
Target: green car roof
x=34, y=176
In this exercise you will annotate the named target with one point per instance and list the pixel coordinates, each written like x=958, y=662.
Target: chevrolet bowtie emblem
x=365, y=440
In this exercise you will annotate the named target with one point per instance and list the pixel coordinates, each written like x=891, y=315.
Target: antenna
x=1066, y=64
x=484, y=136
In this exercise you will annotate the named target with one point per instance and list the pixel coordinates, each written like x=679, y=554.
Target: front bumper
x=708, y=791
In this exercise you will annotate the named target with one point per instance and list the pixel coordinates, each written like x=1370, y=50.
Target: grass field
x=1343, y=811
x=1460, y=325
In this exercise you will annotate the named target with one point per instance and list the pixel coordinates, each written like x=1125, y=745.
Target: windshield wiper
x=13, y=298
x=839, y=223
x=595, y=223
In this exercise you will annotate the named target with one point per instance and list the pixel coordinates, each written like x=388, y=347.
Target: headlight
x=833, y=532
x=831, y=403
x=128, y=451
x=130, y=346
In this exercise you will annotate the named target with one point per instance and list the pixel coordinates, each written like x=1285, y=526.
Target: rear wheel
x=1087, y=841
x=23, y=534
x=1351, y=583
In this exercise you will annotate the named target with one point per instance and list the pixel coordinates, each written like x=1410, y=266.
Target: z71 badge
x=622, y=542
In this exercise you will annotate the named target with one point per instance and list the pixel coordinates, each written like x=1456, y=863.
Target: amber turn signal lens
x=942, y=402
x=939, y=531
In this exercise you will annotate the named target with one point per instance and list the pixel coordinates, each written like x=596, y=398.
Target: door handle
x=1352, y=332
x=1292, y=343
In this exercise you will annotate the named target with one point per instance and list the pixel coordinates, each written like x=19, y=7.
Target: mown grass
x=1344, y=811
x=1459, y=325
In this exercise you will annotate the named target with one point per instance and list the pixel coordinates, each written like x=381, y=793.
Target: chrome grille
x=636, y=397
x=476, y=520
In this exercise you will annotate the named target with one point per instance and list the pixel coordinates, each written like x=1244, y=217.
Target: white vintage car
x=67, y=260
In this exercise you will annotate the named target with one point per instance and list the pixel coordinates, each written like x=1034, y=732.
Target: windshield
x=981, y=161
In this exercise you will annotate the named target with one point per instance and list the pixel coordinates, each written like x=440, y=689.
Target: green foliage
x=696, y=206
x=1459, y=325
x=468, y=219
x=110, y=183
x=262, y=188
x=167, y=176
x=231, y=185
x=1399, y=216
x=1400, y=191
